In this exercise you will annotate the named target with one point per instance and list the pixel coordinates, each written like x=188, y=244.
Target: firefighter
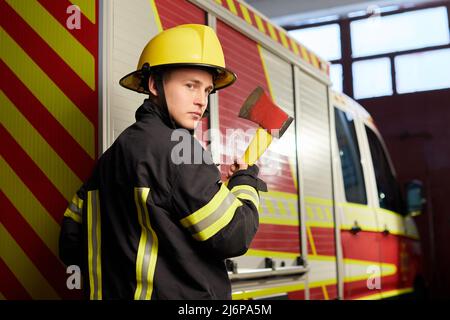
x=149, y=226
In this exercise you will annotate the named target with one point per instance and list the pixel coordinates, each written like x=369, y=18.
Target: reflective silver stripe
x=213, y=217
x=147, y=253
x=147, y=250
x=255, y=200
x=73, y=207
x=94, y=246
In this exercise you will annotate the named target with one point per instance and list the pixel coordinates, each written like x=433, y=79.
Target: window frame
x=362, y=155
x=374, y=184
x=347, y=60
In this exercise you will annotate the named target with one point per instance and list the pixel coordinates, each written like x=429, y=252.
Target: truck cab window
x=389, y=195
x=355, y=190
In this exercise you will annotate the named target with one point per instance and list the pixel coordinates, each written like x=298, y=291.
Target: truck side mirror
x=414, y=198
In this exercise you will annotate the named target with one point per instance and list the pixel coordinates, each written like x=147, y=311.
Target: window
x=372, y=78
x=324, y=40
x=404, y=31
x=422, y=71
x=336, y=76
x=355, y=190
x=389, y=195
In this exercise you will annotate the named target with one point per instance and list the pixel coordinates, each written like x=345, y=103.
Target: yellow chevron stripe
x=23, y=268
x=246, y=14
x=29, y=207
x=259, y=23
x=43, y=88
x=294, y=45
x=304, y=54
x=272, y=32
x=58, y=38
x=38, y=149
x=314, y=60
x=219, y=2
x=87, y=8
x=232, y=7
x=284, y=40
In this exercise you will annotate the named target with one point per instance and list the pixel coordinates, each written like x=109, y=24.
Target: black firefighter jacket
x=146, y=227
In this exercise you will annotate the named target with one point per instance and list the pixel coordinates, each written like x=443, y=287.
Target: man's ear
x=152, y=86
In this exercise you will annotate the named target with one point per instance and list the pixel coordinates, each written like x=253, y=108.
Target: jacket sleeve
x=71, y=237
x=222, y=218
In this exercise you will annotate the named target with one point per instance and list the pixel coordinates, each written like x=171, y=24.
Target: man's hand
x=238, y=164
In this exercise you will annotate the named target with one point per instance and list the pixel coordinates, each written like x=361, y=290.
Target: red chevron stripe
x=238, y=9
x=32, y=176
x=41, y=256
x=58, y=9
x=10, y=287
x=52, y=64
x=50, y=129
x=251, y=13
x=266, y=25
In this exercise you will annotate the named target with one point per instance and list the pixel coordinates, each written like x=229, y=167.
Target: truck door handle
x=355, y=228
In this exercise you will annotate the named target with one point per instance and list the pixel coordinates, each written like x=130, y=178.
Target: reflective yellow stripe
x=304, y=53
x=268, y=253
x=284, y=40
x=246, y=14
x=147, y=250
x=259, y=23
x=232, y=7
x=58, y=38
x=72, y=215
x=87, y=8
x=311, y=241
x=272, y=32
x=94, y=245
x=220, y=223
x=206, y=210
x=48, y=93
x=247, y=193
x=294, y=47
x=279, y=221
x=325, y=293
x=29, y=207
x=74, y=210
x=23, y=268
x=314, y=61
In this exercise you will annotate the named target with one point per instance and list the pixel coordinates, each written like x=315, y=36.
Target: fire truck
x=334, y=223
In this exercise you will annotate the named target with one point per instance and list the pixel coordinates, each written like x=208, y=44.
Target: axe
x=271, y=119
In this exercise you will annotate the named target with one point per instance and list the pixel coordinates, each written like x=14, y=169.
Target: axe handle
x=260, y=142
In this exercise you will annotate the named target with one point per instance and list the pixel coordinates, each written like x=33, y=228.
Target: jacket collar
x=149, y=108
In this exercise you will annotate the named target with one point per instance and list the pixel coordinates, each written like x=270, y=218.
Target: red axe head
x=260, y=109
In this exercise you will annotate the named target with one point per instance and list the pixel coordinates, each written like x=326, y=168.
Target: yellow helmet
x=184, y=46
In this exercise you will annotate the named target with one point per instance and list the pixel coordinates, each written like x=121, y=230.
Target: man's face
x=187, y=91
